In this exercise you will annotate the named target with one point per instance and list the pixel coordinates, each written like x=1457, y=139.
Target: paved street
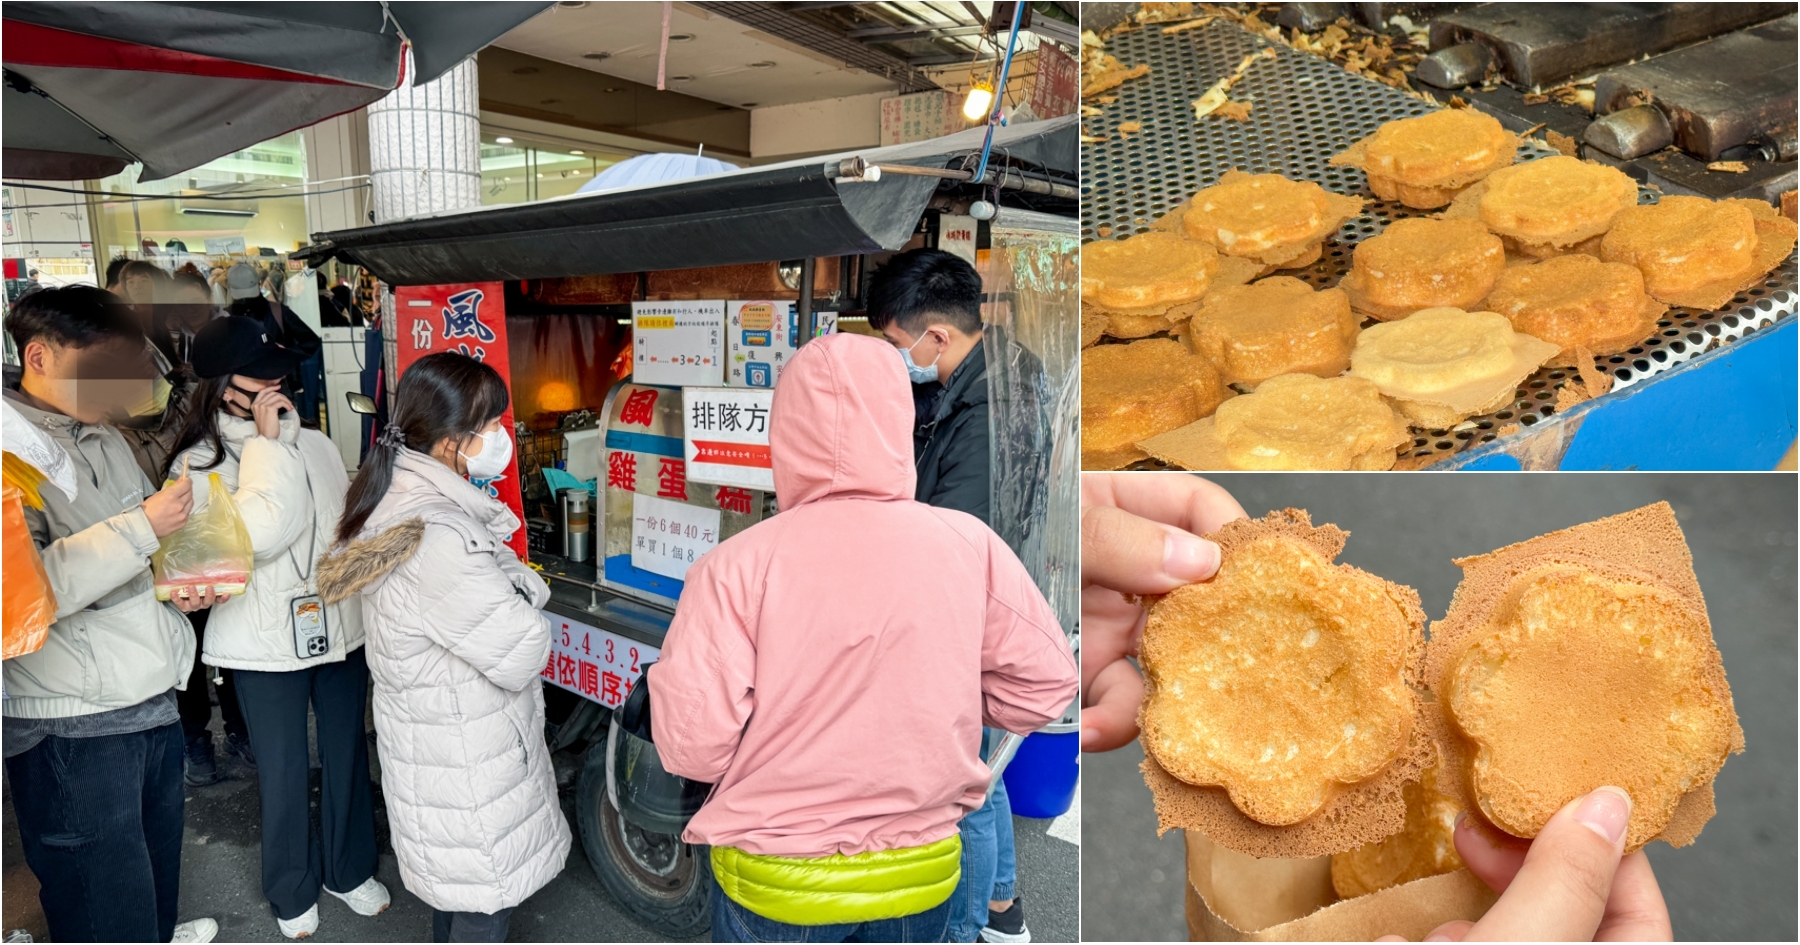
x=1737, y=881
x=221, y=878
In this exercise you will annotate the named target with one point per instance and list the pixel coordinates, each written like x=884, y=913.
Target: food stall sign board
x=727, y=436
x=668, y=537
x=470, y=318
x=595, y=663
x=760, y=340
x=678, y=343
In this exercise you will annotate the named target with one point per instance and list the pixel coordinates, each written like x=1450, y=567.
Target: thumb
x=1134, y=555
x=1561, y=890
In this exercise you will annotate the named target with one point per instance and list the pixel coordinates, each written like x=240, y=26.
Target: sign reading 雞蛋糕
x=726, y=434
x=678, y=343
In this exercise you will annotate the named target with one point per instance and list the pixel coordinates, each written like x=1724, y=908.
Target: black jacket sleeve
x=960, y=469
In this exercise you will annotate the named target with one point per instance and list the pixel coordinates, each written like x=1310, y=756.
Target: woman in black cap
x=287, y=648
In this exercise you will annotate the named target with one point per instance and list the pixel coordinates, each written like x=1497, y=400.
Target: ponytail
x=442, y=395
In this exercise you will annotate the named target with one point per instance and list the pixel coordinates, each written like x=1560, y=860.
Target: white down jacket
x=289, y=492
x=455, y=647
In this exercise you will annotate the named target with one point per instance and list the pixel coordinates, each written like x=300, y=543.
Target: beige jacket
x=290, y=493
x=113, y=644
x=455, y=644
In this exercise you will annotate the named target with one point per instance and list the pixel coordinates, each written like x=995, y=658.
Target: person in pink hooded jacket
x=830, y=669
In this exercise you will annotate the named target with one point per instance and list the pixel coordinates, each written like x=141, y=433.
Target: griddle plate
x=1306, y=110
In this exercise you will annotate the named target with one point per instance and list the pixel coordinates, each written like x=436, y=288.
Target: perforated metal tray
x=1304, y=110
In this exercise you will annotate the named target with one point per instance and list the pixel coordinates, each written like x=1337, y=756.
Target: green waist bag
x=829, y=890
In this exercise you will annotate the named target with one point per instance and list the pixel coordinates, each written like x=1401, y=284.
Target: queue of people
x=401, y=584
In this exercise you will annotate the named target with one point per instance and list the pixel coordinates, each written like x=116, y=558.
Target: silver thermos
x=577, y=524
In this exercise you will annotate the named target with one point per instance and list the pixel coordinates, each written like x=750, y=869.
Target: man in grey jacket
x=91, y=733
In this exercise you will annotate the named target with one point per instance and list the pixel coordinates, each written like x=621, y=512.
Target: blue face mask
x=920, y=374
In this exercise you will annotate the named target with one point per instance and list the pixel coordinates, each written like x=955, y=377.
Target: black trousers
x=195, y=704
x=293, y=866
x=470, y=926
x=101, y=822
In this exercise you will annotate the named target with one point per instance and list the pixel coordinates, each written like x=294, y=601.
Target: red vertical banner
x=467, y=317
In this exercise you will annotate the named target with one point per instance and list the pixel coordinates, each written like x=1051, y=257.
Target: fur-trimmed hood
x=346, y=571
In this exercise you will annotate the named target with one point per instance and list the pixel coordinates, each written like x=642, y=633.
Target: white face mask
x=496, y=453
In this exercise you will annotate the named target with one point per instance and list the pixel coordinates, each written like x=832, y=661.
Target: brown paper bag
x=1232, y=897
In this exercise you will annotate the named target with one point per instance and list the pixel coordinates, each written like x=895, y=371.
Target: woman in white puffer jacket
x=288, y=651
x=456, y=646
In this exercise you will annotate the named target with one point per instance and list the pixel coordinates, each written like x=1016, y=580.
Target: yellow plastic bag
x=29, y=605
x=211, y=549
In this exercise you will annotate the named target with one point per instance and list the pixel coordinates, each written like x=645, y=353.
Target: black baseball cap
x=239, y=344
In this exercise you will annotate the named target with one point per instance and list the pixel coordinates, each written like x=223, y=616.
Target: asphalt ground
x=221, y=877
x=1737, y=882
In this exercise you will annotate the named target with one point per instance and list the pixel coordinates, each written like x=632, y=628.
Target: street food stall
x=642, y=331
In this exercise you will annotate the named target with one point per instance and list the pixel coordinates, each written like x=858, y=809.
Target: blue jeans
x=101, y=822
x=989, y=866
x=734, y=923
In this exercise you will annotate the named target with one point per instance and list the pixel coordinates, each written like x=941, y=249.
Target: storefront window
x=516, y=170
x=247, y=203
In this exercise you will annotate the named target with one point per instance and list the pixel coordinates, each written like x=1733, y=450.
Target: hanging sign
x=762, y=337
x=470, y=318
x=727, y=436
x=678, y=343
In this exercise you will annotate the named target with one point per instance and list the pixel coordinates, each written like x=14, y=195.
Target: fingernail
x=1605, y=812
x=1188, y=557
x=1438, y=938
x=1088, y=738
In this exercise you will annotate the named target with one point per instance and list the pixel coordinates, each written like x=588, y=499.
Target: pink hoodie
x=830, y=669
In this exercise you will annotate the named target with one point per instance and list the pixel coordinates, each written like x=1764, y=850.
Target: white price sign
x=727, y=436
x=677, y=343
x=668, y=537
x=595, y=663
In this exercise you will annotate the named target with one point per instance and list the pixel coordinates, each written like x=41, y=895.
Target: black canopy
x=782, y=211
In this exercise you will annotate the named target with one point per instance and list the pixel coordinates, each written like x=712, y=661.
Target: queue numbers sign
x=591, y=662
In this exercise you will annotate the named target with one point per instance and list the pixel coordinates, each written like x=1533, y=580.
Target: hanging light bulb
x=981, y=99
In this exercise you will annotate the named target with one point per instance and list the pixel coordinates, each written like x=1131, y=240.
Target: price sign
x=668, y=537
x=595, y=663
x=677, y=343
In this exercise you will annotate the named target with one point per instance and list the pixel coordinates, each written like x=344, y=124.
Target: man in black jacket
x=927, y=303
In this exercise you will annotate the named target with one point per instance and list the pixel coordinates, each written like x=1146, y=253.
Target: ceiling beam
x=881, y=34
x=779, y=20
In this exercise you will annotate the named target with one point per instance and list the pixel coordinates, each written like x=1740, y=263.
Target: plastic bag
x=28, y=607
x=211, y=549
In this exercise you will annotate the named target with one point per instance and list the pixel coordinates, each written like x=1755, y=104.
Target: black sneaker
x=1008, y=926
x=239, y=745
x=199, y=766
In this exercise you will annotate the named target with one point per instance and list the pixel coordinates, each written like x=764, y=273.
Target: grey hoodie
x=113, y=644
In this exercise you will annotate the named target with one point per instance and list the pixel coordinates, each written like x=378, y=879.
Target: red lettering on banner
x=550, y=667
x=754, y=455
x=590, y=679
x=609, y=688
x=671, y=481
x=640, y=408
x=621, y=470
x=565, y=670
x=732, y=500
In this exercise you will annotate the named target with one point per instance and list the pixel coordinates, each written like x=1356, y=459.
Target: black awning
x=783, y=211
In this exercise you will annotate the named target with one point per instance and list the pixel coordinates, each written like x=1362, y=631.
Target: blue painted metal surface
x=1730, y=409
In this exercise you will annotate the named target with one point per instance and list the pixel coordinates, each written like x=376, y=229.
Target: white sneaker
x=368, y=899
x=199, y=930
x=302, y=925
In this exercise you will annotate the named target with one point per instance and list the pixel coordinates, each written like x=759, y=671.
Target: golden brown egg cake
x=1295, y=421
x=1442, y=365
x=1423, y=162
x=1147, y=270
x=1275, y=326
x=1426, y=846
x=1137, y=390
x=1584, y=658
x=1545, y=207
x=1423, y=263
x=1577, y=301
x=1696, y=252
x=1267, y=217
x=1143, y=322
x=1280, y=716
x=1093, y=326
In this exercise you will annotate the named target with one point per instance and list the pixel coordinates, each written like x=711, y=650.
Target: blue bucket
x=1040, y=781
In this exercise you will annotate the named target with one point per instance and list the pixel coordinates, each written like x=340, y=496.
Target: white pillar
x=424, y=157
x=425, y=146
